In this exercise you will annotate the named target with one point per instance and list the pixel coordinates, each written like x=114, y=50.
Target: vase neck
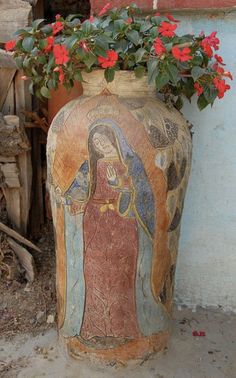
x=125, y=84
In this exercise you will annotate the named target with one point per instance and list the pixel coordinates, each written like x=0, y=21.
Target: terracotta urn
x=60, y=97
x=118, y=167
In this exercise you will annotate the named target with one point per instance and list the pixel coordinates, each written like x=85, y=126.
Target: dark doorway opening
x=66, y=7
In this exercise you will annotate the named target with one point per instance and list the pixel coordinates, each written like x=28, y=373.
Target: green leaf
x=162, y=79
x=202, y=102
x=21, y=32
x=99, y=51
x=153, y=70
x=145, y=26
x=109, y=74
x=139, y=54
x=210, y=94
x=173, y=73
x=89, y=60
x=42, y=59
x=197, y=72
x=197, y=60
x=71, y=41
x=36, y=23
x=42, y=44
x=101, y=42
x=45, y=92
x=179, y=103
x=78, y=76
x=122, y=45
x=139, y=71
x=87, y=26
x=133, y=36
x=19, y=62
x=119, y=25
x=28, y=44
x=47, y=29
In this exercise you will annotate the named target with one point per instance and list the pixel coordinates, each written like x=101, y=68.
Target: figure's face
x=103, y=144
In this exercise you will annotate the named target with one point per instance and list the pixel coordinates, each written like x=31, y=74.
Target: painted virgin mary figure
x=110, y=223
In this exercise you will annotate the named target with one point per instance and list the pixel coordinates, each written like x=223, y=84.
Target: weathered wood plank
x=11, y=175
x=24, y=102
x=12, y=196
x=9, y=104
x=6, y=77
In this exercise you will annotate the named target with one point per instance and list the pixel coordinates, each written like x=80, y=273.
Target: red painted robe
x=110, y=260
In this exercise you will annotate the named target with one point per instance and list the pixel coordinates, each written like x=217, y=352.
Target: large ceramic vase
x=118, y=167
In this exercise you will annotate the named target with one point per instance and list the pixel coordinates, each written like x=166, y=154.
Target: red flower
x=50, y=44
x=91, y=18
x=57, y=27
x=110, y=61
x=166, y=29
x=104, y=9
x=129, y=20
x=10, y=45
x=219, y=70
x=213, y=41
x=221, y=86
x=210, y=42
x=61, y=54
x=207, y=48
x=198, y=88
x=181, y=55
x=171, y=18
x=159, y=47
x=219, y=59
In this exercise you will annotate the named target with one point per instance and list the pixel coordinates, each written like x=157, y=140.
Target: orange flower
x=61, y=54
x=221, y=86
x=57, y=27
x=50, y=44
x=159, y=47
x=219, y=59
x=198, y=88
x=10, y=45
x=181, y=55
x=110, y=60
x=166, y=29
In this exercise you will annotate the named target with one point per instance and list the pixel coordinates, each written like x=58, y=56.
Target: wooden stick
x=25, y=258
x=17, y=236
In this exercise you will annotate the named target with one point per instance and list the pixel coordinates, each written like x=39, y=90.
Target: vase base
x=131, y=350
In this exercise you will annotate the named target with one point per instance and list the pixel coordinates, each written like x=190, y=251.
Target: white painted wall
x=206, y=269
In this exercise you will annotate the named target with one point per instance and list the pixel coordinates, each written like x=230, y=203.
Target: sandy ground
x=212, y=356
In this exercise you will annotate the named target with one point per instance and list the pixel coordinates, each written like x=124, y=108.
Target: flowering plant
x=121, y=39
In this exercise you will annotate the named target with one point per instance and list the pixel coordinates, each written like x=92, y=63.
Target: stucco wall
x=206, y=270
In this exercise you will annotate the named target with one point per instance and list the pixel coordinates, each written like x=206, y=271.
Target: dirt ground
x=30, y=348
x=30, y=308
x=187, y=356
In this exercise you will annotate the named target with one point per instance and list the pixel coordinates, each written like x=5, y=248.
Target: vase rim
x=125, y=84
